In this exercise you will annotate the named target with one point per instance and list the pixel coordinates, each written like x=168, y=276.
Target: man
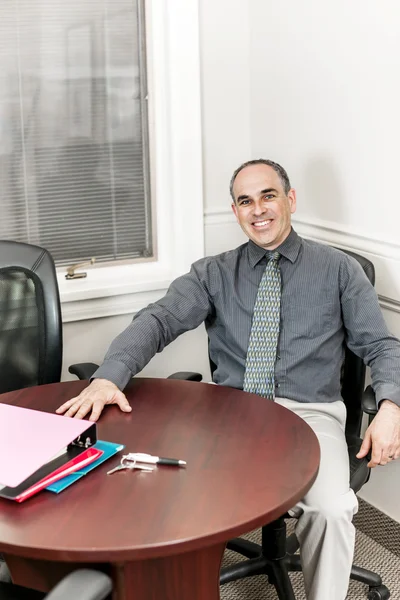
x=298, y=301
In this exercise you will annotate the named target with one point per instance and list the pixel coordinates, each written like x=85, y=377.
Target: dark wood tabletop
x=248, y=461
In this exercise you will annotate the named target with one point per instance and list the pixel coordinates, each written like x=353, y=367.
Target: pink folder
x=31, y=438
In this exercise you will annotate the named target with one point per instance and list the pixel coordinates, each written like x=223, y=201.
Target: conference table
x=162, y=534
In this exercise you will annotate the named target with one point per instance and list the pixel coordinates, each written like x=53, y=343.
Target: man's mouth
x=261, y=224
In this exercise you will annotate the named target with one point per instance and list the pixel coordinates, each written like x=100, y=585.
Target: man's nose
x=258, y=208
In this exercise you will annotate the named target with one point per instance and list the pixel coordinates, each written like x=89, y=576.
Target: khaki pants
x=325, y=530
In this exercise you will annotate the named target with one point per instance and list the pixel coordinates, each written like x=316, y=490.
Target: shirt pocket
x=308, y=321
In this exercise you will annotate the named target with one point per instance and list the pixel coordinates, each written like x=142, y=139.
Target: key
x=134, y=466
x=117, y=468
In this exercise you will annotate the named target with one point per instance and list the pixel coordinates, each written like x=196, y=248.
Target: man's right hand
x=93, y=399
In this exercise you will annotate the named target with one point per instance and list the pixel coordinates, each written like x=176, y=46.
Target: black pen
x=155, y=460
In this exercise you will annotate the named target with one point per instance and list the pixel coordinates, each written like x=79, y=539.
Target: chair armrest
x=83, y=584
x=186, y=375
x=368, y=401
x=83, y=370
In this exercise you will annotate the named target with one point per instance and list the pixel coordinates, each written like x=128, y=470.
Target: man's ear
x=234, y=208
x=292, y=200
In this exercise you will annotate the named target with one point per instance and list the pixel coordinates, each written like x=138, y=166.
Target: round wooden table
x=163, y=534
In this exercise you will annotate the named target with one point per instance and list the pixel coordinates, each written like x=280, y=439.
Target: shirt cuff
x=115, y=371
x=388, y=391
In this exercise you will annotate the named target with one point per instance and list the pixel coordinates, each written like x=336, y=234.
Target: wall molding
x=346, y=237
x=384, y=254
x=218, y=216
x=322, y=231
x=389, y=304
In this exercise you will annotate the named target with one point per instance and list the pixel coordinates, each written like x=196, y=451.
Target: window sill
x=125, y=302
x=105, y=294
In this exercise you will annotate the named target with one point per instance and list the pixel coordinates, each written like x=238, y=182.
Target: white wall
x=224, y=42
x=314, y=87
x=383, y=488
x=324, y=102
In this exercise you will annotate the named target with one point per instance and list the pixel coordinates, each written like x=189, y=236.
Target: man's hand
x=383, y=435
x=94, y=398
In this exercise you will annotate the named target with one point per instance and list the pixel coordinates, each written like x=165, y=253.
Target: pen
x=155, y=460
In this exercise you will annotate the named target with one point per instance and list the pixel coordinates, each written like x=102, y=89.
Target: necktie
x=263, y=342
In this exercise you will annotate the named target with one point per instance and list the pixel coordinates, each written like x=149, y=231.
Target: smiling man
x=263, y=203
x=278, y=311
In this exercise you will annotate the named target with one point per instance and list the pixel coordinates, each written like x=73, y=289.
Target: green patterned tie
x=263, y=342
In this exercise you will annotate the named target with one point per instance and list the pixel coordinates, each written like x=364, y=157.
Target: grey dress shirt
x=326, y=300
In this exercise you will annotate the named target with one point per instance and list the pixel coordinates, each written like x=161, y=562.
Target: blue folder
x=108, y=448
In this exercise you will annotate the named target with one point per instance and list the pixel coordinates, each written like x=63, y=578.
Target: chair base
x=276, y=558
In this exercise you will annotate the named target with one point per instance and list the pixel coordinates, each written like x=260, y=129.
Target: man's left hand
x=383, y=435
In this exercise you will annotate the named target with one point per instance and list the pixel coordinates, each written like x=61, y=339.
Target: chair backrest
x=30, y=317
x=353, y=369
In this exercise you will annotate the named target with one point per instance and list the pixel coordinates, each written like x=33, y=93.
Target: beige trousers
x=325, y=530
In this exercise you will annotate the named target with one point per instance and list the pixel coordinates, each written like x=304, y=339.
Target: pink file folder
x=31, y=438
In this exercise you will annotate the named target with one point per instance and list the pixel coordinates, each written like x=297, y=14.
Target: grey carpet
x=369, y=554
x=378, y=526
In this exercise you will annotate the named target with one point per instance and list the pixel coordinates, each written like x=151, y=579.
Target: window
x=175, y=149
x=74, y=151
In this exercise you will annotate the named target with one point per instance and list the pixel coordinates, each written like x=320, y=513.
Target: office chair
x=30, y=323
x=30, y=318
x=83, y=584
x=276, y=557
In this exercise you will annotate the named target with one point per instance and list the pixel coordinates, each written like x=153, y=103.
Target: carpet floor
x=369, y=554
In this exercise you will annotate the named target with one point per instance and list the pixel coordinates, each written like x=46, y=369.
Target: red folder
x=78, y=462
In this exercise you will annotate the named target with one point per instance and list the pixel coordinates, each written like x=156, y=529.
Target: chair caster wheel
x=378, y=593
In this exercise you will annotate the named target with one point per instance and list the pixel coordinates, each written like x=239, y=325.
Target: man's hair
x=262, y=161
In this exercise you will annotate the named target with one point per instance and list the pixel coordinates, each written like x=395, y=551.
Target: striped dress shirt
x=327, y=301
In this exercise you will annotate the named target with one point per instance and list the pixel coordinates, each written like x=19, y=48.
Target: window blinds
x=74, y=167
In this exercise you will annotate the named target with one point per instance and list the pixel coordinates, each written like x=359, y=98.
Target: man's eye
x=244, y=202
x=269, y=197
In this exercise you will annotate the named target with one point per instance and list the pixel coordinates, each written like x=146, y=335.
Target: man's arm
x=186, y=305
x=369, y=338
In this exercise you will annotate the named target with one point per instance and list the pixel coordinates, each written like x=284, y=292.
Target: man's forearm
x=130, y=352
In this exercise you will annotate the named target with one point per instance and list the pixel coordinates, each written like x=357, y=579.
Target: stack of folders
x=42, y=450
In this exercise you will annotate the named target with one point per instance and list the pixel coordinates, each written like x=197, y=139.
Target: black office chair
x=276, y=556
x=30, y=323
x=83, y=584
x=30, y=318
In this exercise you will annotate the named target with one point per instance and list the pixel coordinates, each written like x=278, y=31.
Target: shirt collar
x=289, y=248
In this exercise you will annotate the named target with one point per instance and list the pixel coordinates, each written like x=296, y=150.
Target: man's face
x=261, y=207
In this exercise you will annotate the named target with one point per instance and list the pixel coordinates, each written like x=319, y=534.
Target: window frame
x=174, y=112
